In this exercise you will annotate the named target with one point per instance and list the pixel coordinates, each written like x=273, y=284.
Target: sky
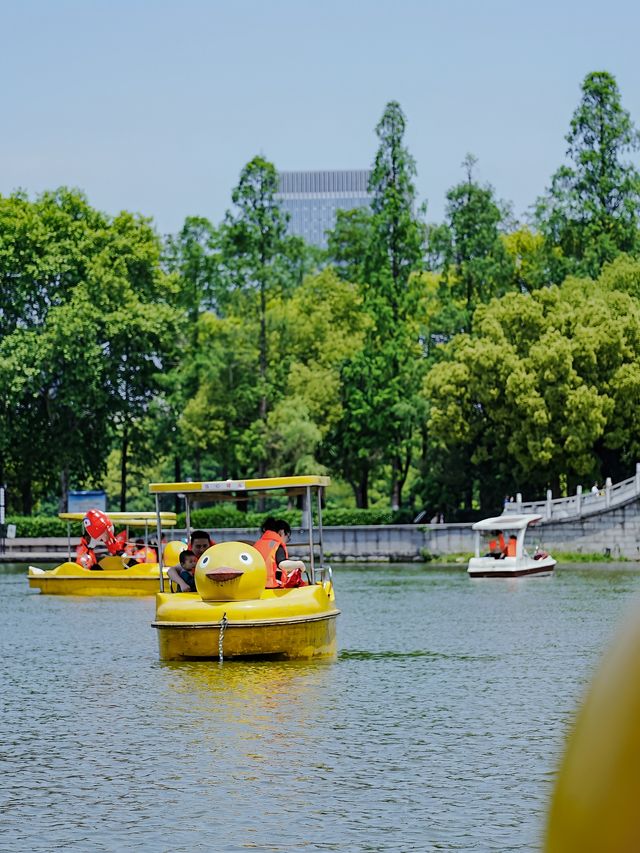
x=155, y=106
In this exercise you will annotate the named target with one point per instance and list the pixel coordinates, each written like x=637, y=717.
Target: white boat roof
x=222, y=487
x=506, y=522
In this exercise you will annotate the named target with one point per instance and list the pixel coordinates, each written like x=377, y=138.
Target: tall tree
x=468, y=248
x=591, y=209
x=257, y=260
x=191, y=255
x=380, y=383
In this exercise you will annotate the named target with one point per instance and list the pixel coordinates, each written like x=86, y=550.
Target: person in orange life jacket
x=511, y=546
x=143, y=553
x=200, y=541
x=85, y=555
x=497, y=545
x=117, y=545
x=281, y=571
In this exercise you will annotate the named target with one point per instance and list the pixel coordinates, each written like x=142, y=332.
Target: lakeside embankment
x=606, y=536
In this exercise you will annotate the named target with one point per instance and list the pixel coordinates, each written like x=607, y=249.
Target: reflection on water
x=438, y=727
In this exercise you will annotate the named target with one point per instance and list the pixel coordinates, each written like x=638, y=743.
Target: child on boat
x=200, y=541
x=185, y=576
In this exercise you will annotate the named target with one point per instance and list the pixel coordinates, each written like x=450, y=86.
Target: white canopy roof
x=506, y=522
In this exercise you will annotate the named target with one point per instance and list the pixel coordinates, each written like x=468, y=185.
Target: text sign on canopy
x=225, y=486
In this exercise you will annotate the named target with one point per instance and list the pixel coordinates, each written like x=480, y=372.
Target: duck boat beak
x=224, y=573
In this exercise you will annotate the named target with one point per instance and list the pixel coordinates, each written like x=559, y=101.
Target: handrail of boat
x=326, y=576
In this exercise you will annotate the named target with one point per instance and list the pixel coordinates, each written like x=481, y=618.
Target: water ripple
x=448, y=704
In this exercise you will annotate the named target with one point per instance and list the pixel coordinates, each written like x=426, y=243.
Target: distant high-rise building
x=312, y=199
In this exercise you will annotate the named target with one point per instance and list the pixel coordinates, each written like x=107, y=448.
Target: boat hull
x=510, y=568
x=72, y=579
x=293, y=624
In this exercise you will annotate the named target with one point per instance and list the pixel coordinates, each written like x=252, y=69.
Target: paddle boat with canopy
x=232, y=614
x=112, y=574
x=500, y=549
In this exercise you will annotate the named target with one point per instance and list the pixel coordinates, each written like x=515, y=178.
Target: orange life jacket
x=268, y=544
x=145, y=555
x=511, y=548
x=498, y=544
x=85, y=556
x=118, y=544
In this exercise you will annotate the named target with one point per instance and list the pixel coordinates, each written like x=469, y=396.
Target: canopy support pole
x=309, y=513
x=159, y=532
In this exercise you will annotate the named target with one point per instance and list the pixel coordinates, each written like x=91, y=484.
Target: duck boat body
x=232, y=614
x=114, y=579
x=113, y=575
x=281, y=623
x=507, y=561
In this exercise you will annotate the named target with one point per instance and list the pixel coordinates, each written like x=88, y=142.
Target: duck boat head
x=231, y=571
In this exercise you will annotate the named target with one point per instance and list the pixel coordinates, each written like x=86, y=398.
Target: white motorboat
x=500, y=549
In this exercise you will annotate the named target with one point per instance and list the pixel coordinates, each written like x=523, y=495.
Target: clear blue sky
x=155, y=105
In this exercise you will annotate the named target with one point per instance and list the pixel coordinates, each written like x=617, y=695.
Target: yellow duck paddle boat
x=114, y=575
x=232, y=615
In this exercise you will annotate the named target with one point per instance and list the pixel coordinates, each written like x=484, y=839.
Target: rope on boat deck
x=223, y=625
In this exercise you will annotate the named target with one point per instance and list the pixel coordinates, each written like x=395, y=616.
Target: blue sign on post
x=82, y=501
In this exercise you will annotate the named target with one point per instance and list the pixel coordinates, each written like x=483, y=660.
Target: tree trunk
x=262, y=463
x=26, y=494
x=361, y=490
x=63, y=502
x=177, y=473
x=396, y=486
x=123, y=469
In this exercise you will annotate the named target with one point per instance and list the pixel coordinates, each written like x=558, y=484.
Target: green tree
x=88, y=324
x=468, y=248
x=590, y=212
x=379, y=384
x=257, y=260
x=349, y=241
x=192, y=256
x=539, y=388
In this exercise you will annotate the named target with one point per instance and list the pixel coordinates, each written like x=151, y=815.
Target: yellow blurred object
x=595, y=807
x=172, y=551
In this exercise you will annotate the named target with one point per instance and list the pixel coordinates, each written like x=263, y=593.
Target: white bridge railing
x=609, y=496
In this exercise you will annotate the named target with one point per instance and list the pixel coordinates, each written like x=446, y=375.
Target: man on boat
x=281, y=571
x=143, y=553
x=200, y=541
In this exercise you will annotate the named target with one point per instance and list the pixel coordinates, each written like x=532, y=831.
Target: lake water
x=439, y=727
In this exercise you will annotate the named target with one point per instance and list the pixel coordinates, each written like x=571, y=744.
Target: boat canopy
x=129, y=519
x=219, y=489
x=238, y=490
x=506, y=522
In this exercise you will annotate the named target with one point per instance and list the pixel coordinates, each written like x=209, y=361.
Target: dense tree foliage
x=469, y=251
x=542, y=382
x=86, y=326
x=438, y=368
x=379, y=384
x=591, y=210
